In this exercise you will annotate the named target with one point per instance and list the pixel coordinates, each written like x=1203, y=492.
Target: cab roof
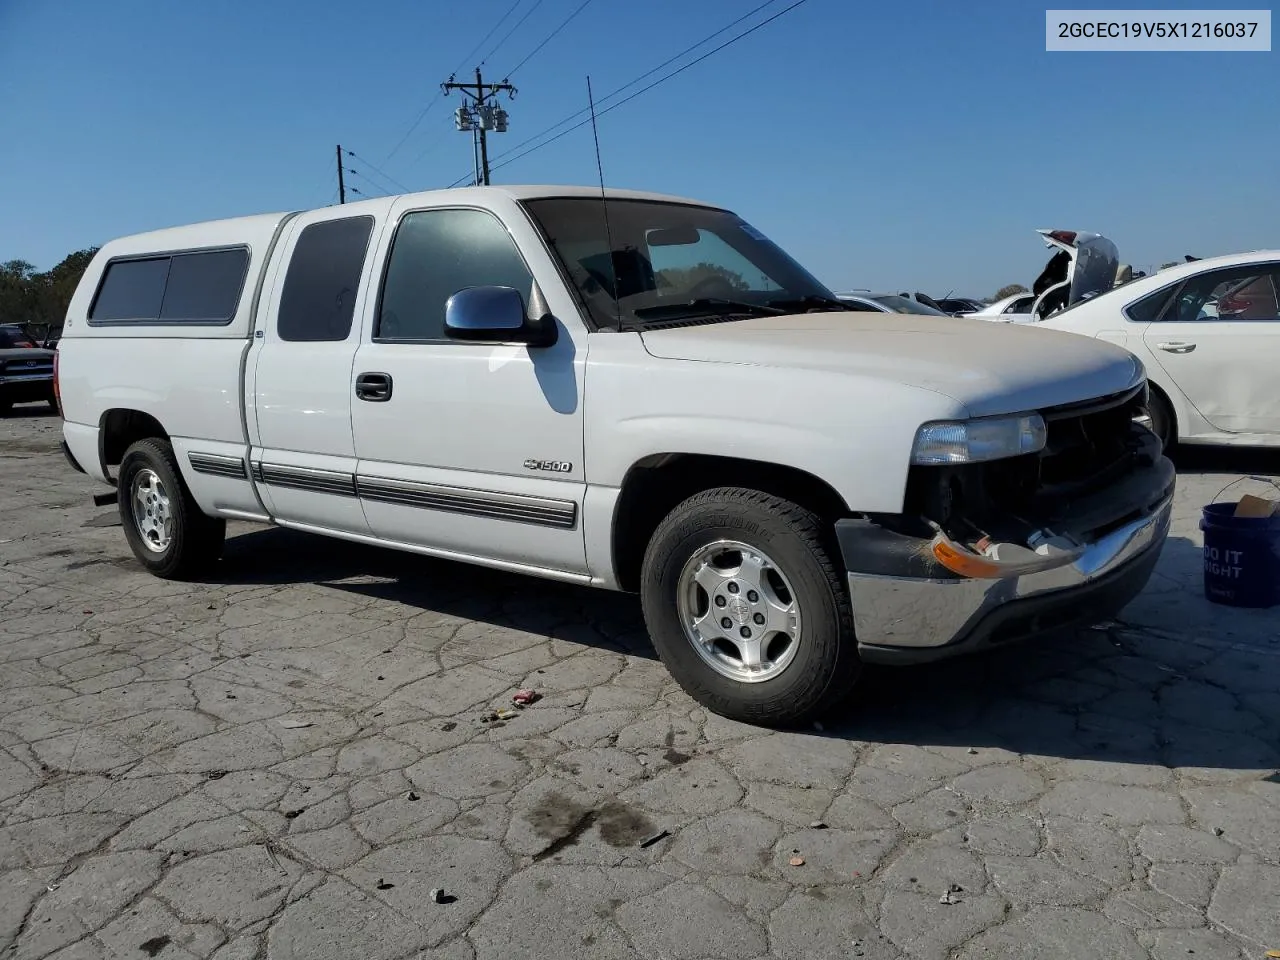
x=233, y=230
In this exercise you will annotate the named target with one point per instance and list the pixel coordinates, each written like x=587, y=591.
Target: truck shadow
x=1241, y=460
x=1175, y=682
x=279, y=557
x=30, y=411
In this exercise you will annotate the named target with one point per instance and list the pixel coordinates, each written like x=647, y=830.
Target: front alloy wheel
x=739, y=611
x=747, y=608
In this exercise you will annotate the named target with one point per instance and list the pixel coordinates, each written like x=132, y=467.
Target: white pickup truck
x=625, y=390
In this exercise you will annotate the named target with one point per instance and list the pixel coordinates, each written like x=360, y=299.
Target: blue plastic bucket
x=1241, y=557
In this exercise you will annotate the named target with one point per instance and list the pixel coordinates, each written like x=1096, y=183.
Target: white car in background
x=1208, y=333
x=1006, y=308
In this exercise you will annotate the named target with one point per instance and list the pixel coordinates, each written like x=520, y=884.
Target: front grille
x=26, y=369
x=1089, y=444
x=1092, y=450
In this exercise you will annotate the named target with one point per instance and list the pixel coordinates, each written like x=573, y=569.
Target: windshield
x=907, y=305
x=14, y=337
x=669, y=261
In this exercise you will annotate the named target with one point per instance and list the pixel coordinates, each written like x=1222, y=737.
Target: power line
x=414, y=126
x=567, y=20
x=511, y=156
x=492, y=31
x=379, y=172
x=431, y=146
x=382, y=191
x=440, y=95
x=507, y=36
x=660, y=80
x=632, y=83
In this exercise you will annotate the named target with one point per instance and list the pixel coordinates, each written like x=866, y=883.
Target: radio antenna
x=604, y=204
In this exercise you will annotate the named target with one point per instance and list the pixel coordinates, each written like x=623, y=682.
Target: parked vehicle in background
x=1019, y=304
x=1084, y=266
x=660, y=401
x=26, y=371
x=889, y=303
x=1208, y=332
x=960, y=306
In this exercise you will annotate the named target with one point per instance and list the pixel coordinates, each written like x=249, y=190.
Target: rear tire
x=6, y=407
x=762, y=565
x=165, y=528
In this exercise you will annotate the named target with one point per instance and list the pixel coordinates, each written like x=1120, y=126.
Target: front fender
x=852, y=432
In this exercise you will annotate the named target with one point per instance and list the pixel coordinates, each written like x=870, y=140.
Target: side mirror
x=495, y=315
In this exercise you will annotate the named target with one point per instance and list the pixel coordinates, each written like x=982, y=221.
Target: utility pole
x=480, y=116
x=342, y=187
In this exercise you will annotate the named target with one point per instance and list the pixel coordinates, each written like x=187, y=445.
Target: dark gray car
x=26, y=371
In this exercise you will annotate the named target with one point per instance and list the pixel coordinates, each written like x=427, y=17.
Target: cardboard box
x=1251, y=506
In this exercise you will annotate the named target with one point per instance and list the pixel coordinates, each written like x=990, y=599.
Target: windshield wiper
x=713, y=305
x=810, y=300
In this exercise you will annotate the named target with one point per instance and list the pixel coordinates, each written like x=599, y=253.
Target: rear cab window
x=318, y=301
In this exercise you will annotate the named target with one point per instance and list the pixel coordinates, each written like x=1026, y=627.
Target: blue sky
x=901, y=145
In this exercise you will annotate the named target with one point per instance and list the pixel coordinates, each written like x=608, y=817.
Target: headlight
x=973, y=441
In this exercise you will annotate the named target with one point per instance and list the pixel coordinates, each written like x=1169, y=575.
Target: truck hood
x=989, y=368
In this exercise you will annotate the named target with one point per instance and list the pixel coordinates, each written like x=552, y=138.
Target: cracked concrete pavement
x=287, y=762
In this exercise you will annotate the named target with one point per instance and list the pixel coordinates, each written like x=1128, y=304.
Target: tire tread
x=197, y=539
x=818, y=693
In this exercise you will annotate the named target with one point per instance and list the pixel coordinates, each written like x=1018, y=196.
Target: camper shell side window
x=199, y=287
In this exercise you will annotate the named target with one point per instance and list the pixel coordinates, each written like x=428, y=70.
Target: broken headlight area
x=1098, y=469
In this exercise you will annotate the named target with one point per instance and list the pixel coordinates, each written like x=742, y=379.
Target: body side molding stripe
x=305, y=478
x=518, y=507
x=218, y=465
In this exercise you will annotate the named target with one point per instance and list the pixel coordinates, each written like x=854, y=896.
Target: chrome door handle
x=1176, y=346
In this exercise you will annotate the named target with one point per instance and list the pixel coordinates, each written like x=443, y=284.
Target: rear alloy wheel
x=746, y=608
x=166, y=530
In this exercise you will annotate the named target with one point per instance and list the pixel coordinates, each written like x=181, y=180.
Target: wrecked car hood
x=989, y=368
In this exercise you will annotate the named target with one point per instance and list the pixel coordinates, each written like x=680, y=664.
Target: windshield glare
x=664, y=255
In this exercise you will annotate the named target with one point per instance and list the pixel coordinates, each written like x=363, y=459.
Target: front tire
x=746, y=608
x=166, y=530
x=1163, y=422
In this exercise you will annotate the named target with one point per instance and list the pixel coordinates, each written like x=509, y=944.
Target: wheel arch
x=655, y=484
x=121, y=427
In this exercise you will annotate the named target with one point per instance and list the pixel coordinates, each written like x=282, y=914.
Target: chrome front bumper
x=903, y=619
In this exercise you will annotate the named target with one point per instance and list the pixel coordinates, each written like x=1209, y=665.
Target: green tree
x=39, y=301
x=17, y=292
x=1008, y=291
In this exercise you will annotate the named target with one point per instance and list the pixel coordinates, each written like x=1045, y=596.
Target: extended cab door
x=303, y=457
x=1218, y=341
x=470, y=449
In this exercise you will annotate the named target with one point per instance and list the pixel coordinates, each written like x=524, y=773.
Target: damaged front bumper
x=910, y=608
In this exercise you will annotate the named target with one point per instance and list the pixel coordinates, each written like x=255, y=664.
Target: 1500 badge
x=550, y=466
